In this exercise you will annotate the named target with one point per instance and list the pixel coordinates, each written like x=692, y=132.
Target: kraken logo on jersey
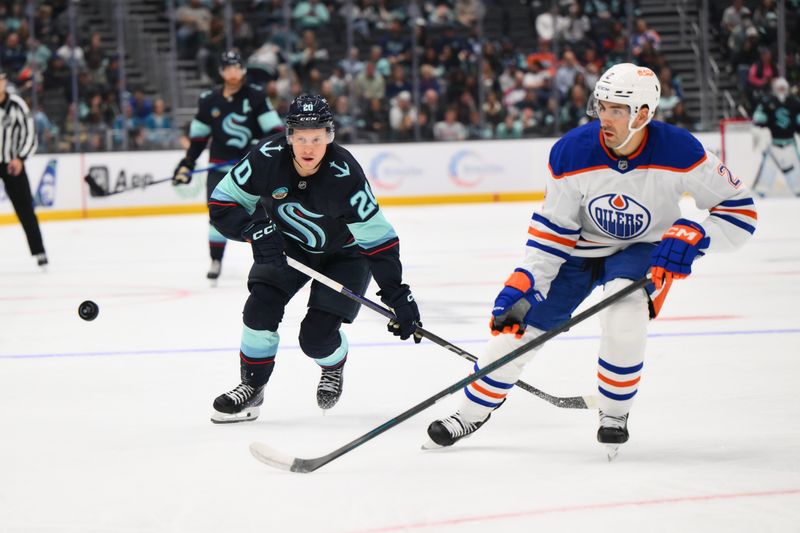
x=239, y=135
x=298, y=218
x=619, y=216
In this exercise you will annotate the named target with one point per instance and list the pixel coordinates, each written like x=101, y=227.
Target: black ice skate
x=330, y=387
x=238, y=405
x=41, y=260
x=214, y=270
x=613, y=432
x=448, y=431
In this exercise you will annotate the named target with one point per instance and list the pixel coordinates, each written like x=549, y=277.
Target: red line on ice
x=578, y=508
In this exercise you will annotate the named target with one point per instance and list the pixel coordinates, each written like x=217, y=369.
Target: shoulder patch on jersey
x=343, y=168
x=268, y=147
x=256, y=87
x=205, y=94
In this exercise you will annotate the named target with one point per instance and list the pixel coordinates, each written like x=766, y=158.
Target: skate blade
x=611, y=451
x=430, y=445
x=213, y=282
x=226, y=418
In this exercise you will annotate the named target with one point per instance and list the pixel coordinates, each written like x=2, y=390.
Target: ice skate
x=448, y=431
x=238, y=405
x=330, y=387
x=612, y=433
x=214, y=271
x=41, y=260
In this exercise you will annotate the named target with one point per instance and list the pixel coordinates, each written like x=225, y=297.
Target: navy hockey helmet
x=309, y=112
x=229, y=58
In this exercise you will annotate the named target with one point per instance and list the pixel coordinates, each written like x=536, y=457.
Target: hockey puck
x=88, y=310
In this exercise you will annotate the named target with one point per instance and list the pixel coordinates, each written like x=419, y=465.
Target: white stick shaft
x=313, y=274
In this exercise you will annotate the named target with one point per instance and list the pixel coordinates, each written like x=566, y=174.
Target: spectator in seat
x=370, y=83
x=402, y=116
x=450, y=129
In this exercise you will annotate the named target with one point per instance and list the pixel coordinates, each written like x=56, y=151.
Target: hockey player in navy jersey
x=610, y=215
x=780, y=113
x=302, y=195
x=232, y=117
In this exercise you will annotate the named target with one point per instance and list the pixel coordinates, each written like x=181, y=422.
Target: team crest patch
x=280, y=193
x=619, y=216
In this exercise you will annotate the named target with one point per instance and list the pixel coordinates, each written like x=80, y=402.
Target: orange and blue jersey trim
x=730, y=210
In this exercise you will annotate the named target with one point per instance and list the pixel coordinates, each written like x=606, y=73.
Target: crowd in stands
x=108, y=116
x=748, y=33
x=538, y=91
x=524, y=92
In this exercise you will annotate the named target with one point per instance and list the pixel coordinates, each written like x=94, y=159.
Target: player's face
x=309, y=147
x=232, y=74
x=614, y=120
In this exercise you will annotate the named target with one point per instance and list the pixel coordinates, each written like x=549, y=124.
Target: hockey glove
x=405, y=309
x=680, y=245
x=267, y=243
x=183, y=172
x=513, y=304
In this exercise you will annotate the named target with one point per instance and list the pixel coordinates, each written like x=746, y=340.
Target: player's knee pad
x=622, y=345
x=263, y=309
x=322, y=339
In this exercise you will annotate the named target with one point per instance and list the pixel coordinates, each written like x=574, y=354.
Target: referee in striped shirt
x=18, y=141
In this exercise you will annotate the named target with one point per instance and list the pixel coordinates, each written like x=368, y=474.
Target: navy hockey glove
x=405, y=309
x=267, y=244
x=680, y=245
x=513, y=304
x=183, y=172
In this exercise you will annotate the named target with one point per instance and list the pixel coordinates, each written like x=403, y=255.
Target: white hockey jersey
x=597, y=204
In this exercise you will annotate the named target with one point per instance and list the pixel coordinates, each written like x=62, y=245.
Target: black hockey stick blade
x=570, y=402
x=268, y=455
x=97, y=190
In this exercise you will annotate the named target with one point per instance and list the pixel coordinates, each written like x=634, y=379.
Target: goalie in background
x=780, y=113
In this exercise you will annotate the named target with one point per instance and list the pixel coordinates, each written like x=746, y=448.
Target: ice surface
x=105, y=424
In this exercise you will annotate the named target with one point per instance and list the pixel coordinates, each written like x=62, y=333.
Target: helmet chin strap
x=631, y=132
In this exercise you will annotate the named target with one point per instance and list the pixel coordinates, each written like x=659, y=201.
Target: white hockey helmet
x=780, y=88
x=631, y=85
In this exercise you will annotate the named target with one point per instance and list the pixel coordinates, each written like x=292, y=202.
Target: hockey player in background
x=610, y=215
x=233, y=117
x=302, y=195
x=780, y=113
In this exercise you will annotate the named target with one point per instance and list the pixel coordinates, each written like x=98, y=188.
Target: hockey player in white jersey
x=610, y=215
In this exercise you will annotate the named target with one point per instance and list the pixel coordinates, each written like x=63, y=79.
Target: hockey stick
x=97, y=190
x=573, y=402
x=274, y=458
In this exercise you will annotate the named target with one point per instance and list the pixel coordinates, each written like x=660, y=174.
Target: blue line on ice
x=788, y=331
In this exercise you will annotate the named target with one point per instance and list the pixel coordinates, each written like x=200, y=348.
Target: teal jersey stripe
x=259, y=344
x=373, y=232
x=214, y=235
x=199, y=129
x=227, y=190
x=336, y=357
x=269, y=121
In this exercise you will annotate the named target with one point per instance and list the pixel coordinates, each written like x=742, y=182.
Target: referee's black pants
x=18, y=189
